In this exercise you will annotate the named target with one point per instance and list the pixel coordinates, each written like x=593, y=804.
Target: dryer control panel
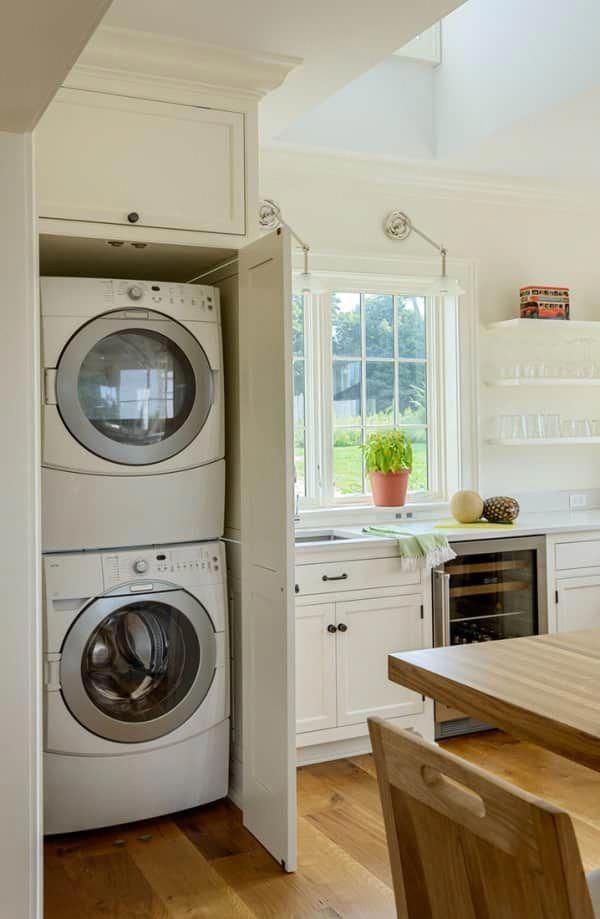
x=201, y=563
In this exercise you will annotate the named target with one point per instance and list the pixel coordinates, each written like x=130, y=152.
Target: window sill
x=364, y=514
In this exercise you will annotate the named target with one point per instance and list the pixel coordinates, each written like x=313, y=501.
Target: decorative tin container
x=545, y=303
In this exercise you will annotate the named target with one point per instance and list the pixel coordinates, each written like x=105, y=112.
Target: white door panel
x=176, y=166
x=369, y=630
x=269, y=720
x=578, y=604
x=316, y=707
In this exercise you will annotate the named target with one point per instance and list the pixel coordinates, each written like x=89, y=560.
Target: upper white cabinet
x=112, y=159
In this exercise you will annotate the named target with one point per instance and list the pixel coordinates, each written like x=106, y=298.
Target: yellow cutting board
x=452, y=524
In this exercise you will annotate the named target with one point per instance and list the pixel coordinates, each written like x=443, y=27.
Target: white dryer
x=133, y=416
x=136, y=684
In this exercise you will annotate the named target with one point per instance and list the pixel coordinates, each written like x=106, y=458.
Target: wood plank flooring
x=203, y=863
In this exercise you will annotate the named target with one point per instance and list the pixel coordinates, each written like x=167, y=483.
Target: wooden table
x=545, y=689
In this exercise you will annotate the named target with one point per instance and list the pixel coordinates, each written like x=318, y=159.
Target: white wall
x=517, y=234
x=20, y=877
x=395, y=103
x=506, y=59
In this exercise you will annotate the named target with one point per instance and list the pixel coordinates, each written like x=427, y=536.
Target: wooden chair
x=466, y=845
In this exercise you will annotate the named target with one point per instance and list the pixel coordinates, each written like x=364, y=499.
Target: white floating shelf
x=544, y=381
x=560, y=326
x=544, y=441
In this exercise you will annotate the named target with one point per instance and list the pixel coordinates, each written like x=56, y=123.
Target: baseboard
x=338, y=749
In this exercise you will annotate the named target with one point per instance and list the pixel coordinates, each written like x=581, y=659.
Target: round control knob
x=136, y=292
x=140, y=566
x=133, y=217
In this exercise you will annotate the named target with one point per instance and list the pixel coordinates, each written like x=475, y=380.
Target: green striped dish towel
x=423, y=551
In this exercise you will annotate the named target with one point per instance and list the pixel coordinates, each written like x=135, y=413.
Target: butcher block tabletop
x=544, y=688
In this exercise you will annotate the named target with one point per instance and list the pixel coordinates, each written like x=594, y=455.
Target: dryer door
x=134, y=387
x=134, y=668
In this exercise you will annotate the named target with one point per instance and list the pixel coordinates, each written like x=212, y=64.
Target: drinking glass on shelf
x=534, y=425
x=552, y=425
x=582, y=428
x=511, y=427
x=567, y=427
x=595, y=424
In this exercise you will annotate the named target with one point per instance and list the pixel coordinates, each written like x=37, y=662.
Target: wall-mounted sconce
x=398, y=226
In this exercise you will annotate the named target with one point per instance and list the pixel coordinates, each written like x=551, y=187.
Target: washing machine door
x=134, y=387
x=134, y=668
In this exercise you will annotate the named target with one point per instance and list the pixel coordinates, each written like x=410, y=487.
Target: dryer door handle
x=50, y=385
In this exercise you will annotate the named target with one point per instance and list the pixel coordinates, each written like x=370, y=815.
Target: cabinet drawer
x=330, y=577
x=583, y=554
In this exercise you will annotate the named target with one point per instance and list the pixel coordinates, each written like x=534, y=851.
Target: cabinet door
x=369, y=630
x=578, y=604
x=101, y=158
x=267, y=515
x=315, y=667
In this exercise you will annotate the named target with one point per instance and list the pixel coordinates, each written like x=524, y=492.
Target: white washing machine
x=133, y=417
x=136, y=684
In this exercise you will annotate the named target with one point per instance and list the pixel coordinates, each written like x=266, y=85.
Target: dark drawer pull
x=332, y=628
x=337, y=577
x=342, y=627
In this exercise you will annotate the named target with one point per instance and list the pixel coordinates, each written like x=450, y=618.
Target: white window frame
x=451, y=330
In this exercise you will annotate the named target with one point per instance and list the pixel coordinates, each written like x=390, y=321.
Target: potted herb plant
x=389, y=460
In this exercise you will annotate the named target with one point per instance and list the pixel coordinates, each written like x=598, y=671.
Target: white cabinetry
x=315, y=667
x=350, y=614
x=367, y=631
x=117, y=160
x=576, y=582
x=578, y=603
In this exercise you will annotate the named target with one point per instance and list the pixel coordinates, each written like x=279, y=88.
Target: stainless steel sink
x=322, y=536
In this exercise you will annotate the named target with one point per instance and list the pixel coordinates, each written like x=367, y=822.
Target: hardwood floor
x=203, y=863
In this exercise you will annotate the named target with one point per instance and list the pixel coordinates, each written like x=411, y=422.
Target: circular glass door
x=134, y=391
x=134, y=669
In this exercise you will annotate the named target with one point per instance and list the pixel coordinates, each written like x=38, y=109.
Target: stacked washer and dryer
x=133, y=491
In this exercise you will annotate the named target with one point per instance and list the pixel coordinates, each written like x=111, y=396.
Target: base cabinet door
x=367, y=631
x=578, y=604
x=315, y=667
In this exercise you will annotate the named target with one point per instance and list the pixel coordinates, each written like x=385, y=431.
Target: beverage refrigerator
x=494, y=589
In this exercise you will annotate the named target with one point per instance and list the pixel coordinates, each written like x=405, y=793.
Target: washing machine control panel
x=180, y=565
x=198, y=299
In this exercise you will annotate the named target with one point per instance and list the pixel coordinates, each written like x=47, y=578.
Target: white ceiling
x=39, y=43
x=337, y=39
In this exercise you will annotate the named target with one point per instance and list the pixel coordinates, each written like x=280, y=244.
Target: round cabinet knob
x=136, y=292
x=342, y=627
x=332, y=628
x=140, y=566
x=133, y=217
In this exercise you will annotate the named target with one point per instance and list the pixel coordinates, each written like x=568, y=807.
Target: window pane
x=300, y=461
x=419, y=480
x=298, y=324
x=345, y=324
x=379, y=325
x=347, y=462
x=380, y=392
x=299, y=392
x=346, y=392
x=412, y=393
x=411, y=326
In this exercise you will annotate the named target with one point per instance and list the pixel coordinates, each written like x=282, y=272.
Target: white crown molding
x=440, y=180
x=128, y=57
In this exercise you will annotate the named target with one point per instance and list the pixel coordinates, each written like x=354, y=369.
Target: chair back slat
x=465, y=845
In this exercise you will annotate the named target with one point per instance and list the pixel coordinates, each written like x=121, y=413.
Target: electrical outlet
x=577, y=501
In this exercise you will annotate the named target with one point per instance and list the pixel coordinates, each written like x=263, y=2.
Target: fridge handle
x=441, y=608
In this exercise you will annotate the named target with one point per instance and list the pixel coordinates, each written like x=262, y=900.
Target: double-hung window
x=369, y=360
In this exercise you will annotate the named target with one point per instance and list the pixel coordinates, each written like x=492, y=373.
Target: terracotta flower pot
x=389, y=488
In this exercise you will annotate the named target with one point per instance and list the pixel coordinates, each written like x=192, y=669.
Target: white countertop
x=526, y=525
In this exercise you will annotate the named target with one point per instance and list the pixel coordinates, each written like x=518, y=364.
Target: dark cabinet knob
x=133, y=217
x=331, y=628
x=342, y=627
x=296, y=588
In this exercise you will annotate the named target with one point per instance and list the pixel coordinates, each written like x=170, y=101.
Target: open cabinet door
x=267, y=510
